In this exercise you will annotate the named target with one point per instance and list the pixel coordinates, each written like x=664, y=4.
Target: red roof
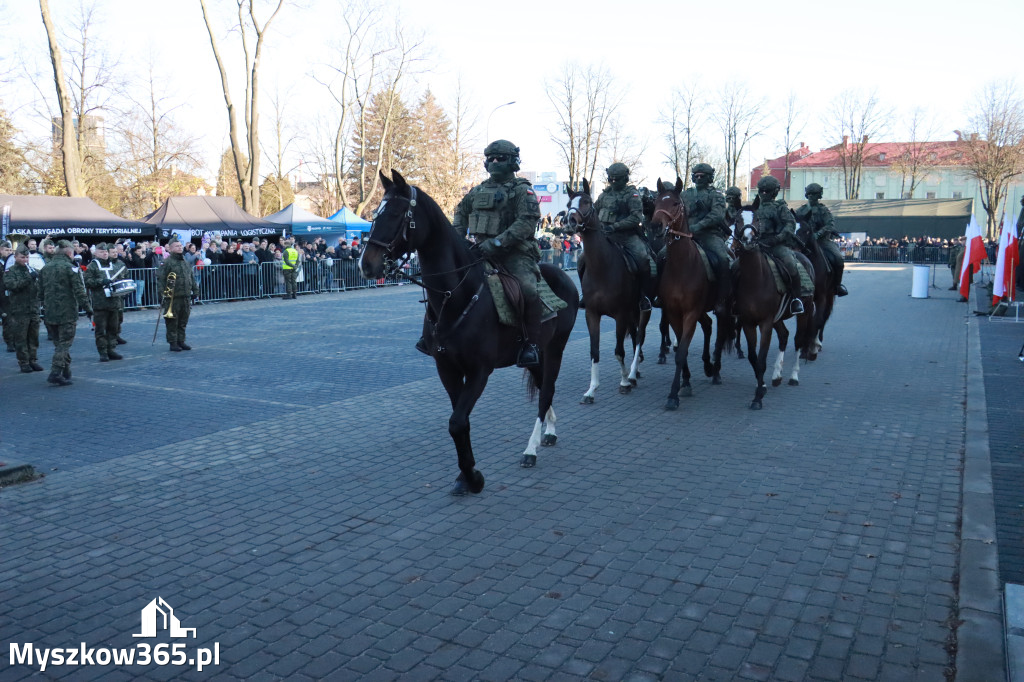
x=884, y=154
x=777, y=167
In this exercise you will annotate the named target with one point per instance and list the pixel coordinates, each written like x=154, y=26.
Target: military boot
x=56, y=379
x=66, y=372
x=646, y=287
x=841, y=289
x=422, y=347
x=724, y=275
x=104, y=357
x=114, y=355
x=26, y=369
x=36, y=367
x=796, y=306
x=176, y=348
x=529, y=355
x=120, y=341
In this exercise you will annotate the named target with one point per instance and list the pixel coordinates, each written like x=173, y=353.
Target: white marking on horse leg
x=795, y=376
x=777, y=372
x=594, y=380
x=531, y=446
x=635, y=365
x=817, y=346
x=624, y=381
x=549, y=422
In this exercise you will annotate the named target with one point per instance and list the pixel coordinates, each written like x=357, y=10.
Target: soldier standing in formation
x=778, y=232
x=502, y=214
x=63, y=295
x=180, y=300
x=5, y=253
x=621, y=214
x=22, y=281
x=705, y=210
x=817, y=215
x=101, y=273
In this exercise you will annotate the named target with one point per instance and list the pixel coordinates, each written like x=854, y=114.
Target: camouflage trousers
x=290, y=287
x=637, y=248
x=108, y=326
x=712, y=243
x=24, y=332
x=524, y=269
x=8, y=338
x=63, y=335
x=181, y=308
x=785, y=254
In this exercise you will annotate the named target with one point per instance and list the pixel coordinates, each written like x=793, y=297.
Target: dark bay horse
x=468, y=342
x=686, y=293
x=609, y=289
x=760, y=309
x=655, y=236
x=824, y=286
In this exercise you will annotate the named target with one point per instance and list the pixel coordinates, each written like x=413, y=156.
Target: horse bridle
x=672, y=220
x=402, y=234
x=584, y=217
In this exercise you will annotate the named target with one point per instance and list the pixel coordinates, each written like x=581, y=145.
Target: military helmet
x=734, y=191
x=768, y=184
x=704, y=168
x=813, y=188
x=499, y=147
x=618, y=169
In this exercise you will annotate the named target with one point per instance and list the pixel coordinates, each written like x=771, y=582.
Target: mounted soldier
x=733, y=212
x=705, y=209
x=817, y=216
x=777, y=230
x=501, y=214
x=621, y=214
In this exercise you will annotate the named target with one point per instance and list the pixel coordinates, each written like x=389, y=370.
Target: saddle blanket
x=780, y=285
x=507, y=314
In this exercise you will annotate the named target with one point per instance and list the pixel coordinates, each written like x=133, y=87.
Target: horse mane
x=436, y=214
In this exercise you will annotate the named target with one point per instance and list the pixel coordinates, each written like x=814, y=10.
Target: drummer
x=107, y=301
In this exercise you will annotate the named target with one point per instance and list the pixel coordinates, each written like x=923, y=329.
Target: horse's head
x=581, y=215
x=804, y=232
x=748, y=237
x=669, y=211
x=393, y=232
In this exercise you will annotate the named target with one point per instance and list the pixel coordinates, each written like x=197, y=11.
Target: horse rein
x=669, y=226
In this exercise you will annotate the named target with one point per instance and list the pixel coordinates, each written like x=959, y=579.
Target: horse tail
x=532, y=384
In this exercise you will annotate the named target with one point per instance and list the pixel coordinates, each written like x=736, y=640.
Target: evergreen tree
x=13, y=177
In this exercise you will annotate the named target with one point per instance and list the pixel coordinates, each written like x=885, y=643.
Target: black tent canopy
x=941, y=218
x=64, y=217
x=209, y=215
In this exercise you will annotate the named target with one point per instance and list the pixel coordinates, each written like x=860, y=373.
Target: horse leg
x=666, y=341
x=641, y=337
x=683, y=351
x=464, y=391
x=672, y=403
x=705, y=356
x=550, y=437
x=625, y=387
x=594, y=328
x=765, y=329
x=783, y=332
x=723, y=335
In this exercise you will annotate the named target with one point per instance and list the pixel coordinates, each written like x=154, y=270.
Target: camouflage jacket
x=621, y=211
x=508, y=211
x=24, y=291
x=97, y=276
x=776, y=224
x=184, y=284
x=819, y=218
x=705, y=209
x=63, y=292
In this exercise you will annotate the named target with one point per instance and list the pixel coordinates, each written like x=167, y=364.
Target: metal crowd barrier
x=564, y=260
x=258, y=280
x=896, y=254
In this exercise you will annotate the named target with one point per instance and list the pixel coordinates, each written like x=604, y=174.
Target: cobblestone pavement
x=283, y=486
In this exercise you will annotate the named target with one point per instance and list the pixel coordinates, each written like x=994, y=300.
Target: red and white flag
x=1006, y=264
x=974, y=253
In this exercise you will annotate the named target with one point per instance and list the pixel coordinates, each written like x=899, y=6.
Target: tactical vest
x=493, y=209
x=616, y=206
x=291, y=254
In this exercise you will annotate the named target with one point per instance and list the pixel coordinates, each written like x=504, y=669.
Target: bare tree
x=246, y=158
x=69, y=143
x=625, y=148
x=995, y=150
x=283, y=139
x=739, y=117
x=793, y=124
x=855, y=118
x=584, y=101
x=915, y=159
x=683, y=118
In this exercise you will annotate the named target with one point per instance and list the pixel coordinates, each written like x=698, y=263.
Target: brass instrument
x=168, y=295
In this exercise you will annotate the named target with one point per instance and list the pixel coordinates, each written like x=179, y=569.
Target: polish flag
x=974, y=253
x=1006, y=264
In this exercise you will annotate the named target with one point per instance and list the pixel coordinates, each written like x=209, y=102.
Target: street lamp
x=487, y=128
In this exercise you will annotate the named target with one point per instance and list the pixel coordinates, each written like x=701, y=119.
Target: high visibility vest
x=290, y=254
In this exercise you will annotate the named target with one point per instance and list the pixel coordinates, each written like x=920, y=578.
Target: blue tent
x=354, y=225
x=302, y=223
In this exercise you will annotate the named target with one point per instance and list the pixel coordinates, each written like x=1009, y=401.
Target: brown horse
x=686, y=293
x=468, y=341
x=761, y=308
x=824, y=286
x=609, y=289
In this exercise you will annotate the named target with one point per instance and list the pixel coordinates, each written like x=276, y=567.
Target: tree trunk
x=69, y=142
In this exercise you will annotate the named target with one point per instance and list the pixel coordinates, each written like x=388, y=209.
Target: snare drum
x=121, y=288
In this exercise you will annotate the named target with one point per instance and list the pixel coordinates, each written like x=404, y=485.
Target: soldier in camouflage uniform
x=47, y=248
x=705, y=210
x=5, y=253
x=778, y=232
x=63, y=295
x=103, y=271
x=180, y=303
x=733, y=212
x=501, y=214
x=22, y=281
x=621, y=214
x=820, y=220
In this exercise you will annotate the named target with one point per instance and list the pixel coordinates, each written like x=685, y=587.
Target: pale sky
x=917, y=54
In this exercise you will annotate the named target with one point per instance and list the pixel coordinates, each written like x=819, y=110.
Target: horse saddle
x=706, y=258
x=782, y=275
x=632, y=267
x=507, y=295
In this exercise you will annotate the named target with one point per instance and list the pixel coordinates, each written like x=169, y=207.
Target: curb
x=981, y=653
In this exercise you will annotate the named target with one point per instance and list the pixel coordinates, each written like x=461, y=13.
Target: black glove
x=489, y=248
x=607, y=228
x=34, y=275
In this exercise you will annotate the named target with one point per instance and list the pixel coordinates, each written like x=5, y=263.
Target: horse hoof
x=686, y=391
x=549, y=439
x=625, y=390
x=794, y=382
x=477, y=484
x=632, y=382
x=777, y=382
x=812, y=357
x=460, y=488
x=529, y=461
x=709, y=371
x=756, y=405
x=803, y=355
x=661, y=360
x=587, y=400
x=672, y=404
x=716, y=380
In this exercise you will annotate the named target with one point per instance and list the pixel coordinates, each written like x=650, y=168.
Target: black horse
x=468, y=342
